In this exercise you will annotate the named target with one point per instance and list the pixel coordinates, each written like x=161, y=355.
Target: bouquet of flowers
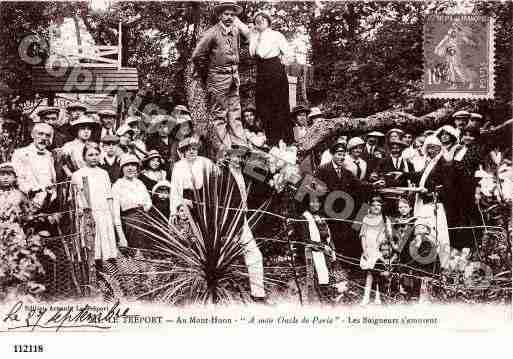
x=282, y=161
x=499, y=185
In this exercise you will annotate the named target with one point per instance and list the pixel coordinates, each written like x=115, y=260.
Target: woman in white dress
x=131, y=200
x=189, y=175
x=434, y=182
x=99, y=199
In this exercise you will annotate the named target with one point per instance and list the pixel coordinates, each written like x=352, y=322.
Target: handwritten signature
x=19, y=317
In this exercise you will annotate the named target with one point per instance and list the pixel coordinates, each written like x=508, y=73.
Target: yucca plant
x=207, y=267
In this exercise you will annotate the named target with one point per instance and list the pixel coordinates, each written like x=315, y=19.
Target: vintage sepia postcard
x=176, y=173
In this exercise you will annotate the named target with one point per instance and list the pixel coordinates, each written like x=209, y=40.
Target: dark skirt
x=272, y=100
x=196, y=203
x=134, y=224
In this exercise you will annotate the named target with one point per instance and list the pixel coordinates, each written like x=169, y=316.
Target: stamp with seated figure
x=459, y=57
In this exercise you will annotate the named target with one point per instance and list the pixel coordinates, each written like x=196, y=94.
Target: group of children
x=396, y=252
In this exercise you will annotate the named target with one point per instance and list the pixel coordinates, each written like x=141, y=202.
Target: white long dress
x=373, y=232
x=99, y=192
x=425, y=212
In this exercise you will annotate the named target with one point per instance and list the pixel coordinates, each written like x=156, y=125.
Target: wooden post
x=292, y=91
x=424, y=296
x=87, y=232
x=120, y=46
x=86, y=192
x=311, y=292
x=51, y=99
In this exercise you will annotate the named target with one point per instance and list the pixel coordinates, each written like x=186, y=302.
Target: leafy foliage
x=367, y=56
x=20, y=267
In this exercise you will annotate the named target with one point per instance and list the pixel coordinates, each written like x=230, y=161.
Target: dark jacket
x=372, y=161
x=113, y=170
x=386, y=165
x=348, y=205
x=440, y=180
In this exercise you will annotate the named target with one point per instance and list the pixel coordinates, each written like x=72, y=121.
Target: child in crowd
x=317, y=234
x=99, y=199
x=383, y=270
x=253, y=128
x=160, y=197
x=183, y=225
x=402, y=237
x=109, y=160
x=13, y=203
x=376, y=228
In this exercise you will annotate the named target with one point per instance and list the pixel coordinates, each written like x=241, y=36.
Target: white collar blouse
x=268, y=44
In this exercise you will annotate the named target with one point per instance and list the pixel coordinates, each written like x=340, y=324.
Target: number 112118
x=28, y=348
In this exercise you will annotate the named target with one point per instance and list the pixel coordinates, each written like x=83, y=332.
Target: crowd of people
x=376, y=198
x=406, y=189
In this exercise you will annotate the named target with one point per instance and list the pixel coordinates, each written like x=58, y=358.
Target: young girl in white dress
x=100, y=201
x=376, y=229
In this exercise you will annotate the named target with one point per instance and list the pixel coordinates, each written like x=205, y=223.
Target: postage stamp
x=459, y=57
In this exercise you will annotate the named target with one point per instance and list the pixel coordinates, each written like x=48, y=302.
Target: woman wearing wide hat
x=82, y=130
x=253, y=128
x=131, y=200
x=153, y=169
x=270, y=48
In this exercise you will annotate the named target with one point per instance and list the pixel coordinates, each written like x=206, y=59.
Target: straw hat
x=151, y=155
x=354, y=142
x=83, y=120
x=123, y=130
x=132, y=119
x=315, y=112
x=476, y=116
x=189, y=141
x=110, y=139
x=461, y=114
x=218, y=9
x=161, y=184
x=182, y=108
x=48, y=110
x=107, y=113
x=338, y=146
x=300, y=108
x=249, y=108
x=7, y=167
x=128, y=159
x=76, y=106
x=375, y=134
x=396, y=130
x=449, y=129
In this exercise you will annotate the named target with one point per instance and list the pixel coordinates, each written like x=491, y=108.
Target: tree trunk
x=195, y=90
x=77, y=32
x=323, y=129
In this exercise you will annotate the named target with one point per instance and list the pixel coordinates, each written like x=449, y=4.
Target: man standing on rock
x=216, y=61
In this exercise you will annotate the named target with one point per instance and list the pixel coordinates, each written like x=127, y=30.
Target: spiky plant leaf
x=204, y=268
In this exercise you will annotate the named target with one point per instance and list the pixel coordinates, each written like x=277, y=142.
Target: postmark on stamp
x=458, y=57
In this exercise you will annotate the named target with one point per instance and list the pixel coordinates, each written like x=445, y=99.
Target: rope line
x=331, y=219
